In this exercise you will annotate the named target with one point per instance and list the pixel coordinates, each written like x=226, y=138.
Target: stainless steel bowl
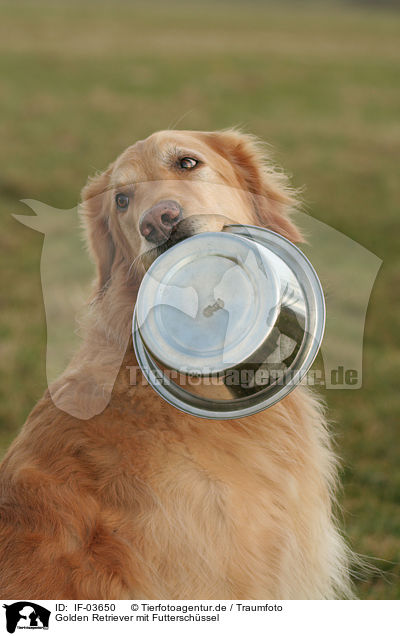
x=228, y=323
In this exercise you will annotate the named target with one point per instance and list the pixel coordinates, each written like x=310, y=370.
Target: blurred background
x=81, y=80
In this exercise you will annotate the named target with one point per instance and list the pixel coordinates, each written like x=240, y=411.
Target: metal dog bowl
x=228, y=323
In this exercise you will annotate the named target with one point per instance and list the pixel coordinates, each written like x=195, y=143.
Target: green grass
x=82, y=80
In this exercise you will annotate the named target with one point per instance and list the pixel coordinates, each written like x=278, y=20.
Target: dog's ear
x=94, y=212
x=273, y=200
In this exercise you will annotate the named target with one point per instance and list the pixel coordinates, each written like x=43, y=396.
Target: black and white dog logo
x=26, y=615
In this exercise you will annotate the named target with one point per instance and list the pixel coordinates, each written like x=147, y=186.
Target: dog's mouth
x=179, y=233
x=186, y=228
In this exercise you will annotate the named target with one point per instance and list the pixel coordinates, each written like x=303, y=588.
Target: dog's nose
x=157, y=223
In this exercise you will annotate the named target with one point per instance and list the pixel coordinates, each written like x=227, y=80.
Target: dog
x=109, y=492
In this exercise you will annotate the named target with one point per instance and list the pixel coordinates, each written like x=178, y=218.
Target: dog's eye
x=122, y=201
x=187, y=163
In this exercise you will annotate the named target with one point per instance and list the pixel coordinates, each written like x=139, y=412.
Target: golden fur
x=113, y=493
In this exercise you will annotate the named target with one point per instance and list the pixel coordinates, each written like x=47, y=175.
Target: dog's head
x=175, y=184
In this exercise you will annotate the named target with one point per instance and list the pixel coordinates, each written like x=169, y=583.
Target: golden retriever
x=109, y=492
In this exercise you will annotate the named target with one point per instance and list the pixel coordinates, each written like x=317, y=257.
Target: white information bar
x=338, y=618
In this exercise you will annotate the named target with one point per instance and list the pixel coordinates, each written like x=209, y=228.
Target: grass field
x=82, y=80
